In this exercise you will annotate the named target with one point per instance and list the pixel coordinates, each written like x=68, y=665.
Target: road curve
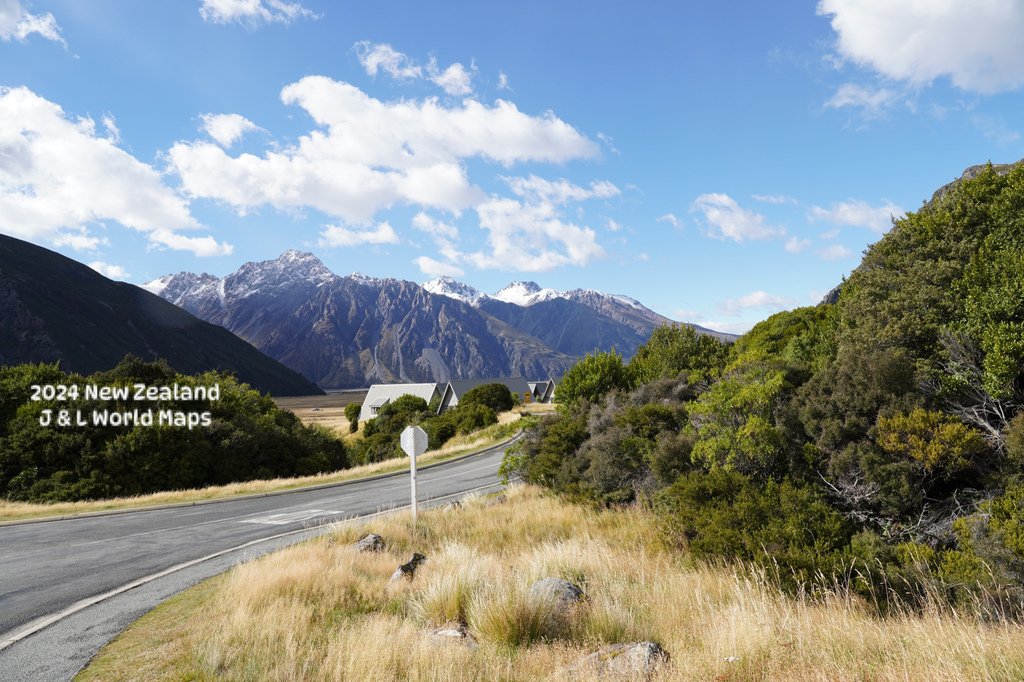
x=54, y=571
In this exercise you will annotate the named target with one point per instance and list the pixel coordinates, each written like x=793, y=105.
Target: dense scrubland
x=875, y=443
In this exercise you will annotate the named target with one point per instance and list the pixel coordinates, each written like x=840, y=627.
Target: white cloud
x=17, y=23
x=531, y=238
x=835, y=252
x=975, y=43
x=226, y=129
x=609, y=142
x=755, y=300
x=873, y=102
x=455, y=79
x=253, y=12
x=796, y=245
x=435, y=268
x=729, y=220
x=338, y=235
x=994, y=129
x=503, y=81
x=79, y=239
x=671, y=219
x=776, y=199
x=436, y=228
x=857, y=213
x=537, y=189
x=366, y=155
x=58, y=178
x=109, y=271
x=382, y=57
x=613, y=225
x=113, y=132
x=726, y=327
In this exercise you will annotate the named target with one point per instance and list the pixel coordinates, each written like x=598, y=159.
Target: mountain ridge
x=343, y=331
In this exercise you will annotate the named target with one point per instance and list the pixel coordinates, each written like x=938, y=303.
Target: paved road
x=48, y=568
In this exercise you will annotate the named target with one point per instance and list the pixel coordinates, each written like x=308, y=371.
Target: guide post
x=414, y=443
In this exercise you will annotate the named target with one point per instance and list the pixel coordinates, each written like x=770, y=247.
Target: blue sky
x=717, y=161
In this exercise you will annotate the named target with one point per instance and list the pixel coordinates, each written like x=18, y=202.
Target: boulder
x=561, y=592
x=370, y=543
x=455, y=633
x=408, y=569
x=629, y=661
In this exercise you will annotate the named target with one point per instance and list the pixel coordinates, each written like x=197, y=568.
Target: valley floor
x=324, y=611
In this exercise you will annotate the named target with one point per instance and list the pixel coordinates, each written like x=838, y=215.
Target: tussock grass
x=460, y=445
x=322, y=611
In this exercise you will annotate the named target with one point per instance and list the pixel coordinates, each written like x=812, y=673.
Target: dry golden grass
x=322, y=611
x=327, y=410
x=460, y=445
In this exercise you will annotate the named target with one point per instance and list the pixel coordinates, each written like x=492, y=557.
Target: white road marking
x=291, y=517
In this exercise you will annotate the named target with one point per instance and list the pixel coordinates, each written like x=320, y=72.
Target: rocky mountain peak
x=452, y=288
x=525, y=293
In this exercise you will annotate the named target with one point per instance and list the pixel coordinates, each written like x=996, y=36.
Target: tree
x=678, y=351
x=352, y=414
x=495, y=396
x=592, y=377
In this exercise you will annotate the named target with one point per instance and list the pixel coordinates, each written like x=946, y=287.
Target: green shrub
x=592, y=377
x=785, y=527
x=495, y=396
x=352, y=415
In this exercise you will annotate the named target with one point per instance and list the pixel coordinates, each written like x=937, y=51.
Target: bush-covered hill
x=247, y=437
x=878, y=440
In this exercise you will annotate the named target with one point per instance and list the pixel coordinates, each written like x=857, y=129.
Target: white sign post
x=414, y=442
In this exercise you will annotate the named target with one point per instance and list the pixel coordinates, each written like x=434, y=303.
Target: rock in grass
x=408, y=569
x=561, y=592
x=632, y=661
x=495, y=501
x=370, y=543
x=455, y=633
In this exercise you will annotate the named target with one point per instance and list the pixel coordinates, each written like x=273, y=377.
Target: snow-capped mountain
x=446, y=286
x=526, y=293
x=346, y=331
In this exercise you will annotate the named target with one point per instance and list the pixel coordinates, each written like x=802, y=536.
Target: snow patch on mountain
x=157, y=285
x=526, y=293
x=446, y=286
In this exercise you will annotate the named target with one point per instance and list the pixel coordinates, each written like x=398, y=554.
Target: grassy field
x=323, y=410
x=460, y=445
x=322, y=611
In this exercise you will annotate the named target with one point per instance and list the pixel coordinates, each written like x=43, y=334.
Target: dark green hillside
x=875, y=441
x=245, y=436
x=56, y=309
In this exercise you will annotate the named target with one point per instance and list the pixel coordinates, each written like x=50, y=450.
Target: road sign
x=414, y=442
